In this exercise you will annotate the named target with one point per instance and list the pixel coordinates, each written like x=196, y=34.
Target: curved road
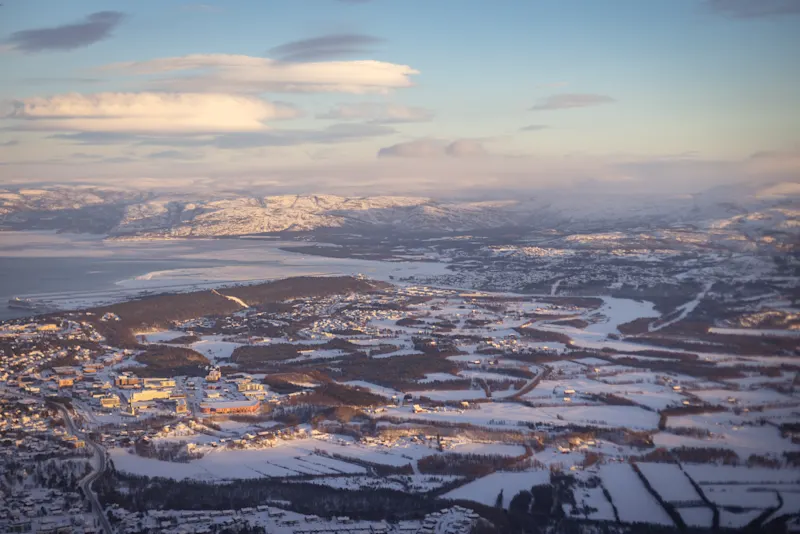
x=99, y=461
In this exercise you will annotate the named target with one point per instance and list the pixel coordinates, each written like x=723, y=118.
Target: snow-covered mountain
x=123, y=213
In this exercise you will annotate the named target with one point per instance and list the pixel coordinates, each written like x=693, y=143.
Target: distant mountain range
x=765, y=210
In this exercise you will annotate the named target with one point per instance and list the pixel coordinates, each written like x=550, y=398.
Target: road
x=98, y=463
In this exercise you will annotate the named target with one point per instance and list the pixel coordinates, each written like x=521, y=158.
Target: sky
x=439, y=97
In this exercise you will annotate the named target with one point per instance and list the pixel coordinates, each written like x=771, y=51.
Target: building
x=128, y=381
x=65, y=382
x=159, y=383
x=148, y=395
x=109, y=402
x=230, y=407
x=214, y=375
x=180, y=406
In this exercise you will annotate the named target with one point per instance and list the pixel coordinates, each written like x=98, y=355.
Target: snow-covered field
x=508, y=415
x=632, y=500
x=485, y=490
x=669, y=481
x=228, y=465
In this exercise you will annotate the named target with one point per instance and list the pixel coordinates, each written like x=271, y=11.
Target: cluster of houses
x=29, y=438
x=273, y=519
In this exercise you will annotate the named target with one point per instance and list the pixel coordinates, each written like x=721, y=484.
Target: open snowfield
x=711, y=474
x=497, y=414
x=632, y=500
x=697, y=516
x=228, y=465
x=761, y=397
x=739, y=495
x=486, y=489
x=163, y=336
x=731, y=519
x=744, y=440
x=452, y=395
x=669, y=481
x=717, y=419
x=213, y=348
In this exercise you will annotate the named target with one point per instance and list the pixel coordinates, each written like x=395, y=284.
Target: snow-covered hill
x=751, y=211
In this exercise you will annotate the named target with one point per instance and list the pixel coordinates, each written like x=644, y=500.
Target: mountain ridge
x=146, y=214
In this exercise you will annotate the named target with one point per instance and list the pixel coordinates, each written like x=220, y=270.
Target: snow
x=760, y=397
x=669, y=481
x=744, y=440
x=765, y=332
x=485, y=375
x=214, y=348
x=744, y=496
x=485, y=490
x=452, y=395
x=231, y=465
x=710, y=473
x=729, y=519
x=506, y=415
x=594, y=498
x=634, y=503
x=374, y=388
x=697, y=516
x=164, y=335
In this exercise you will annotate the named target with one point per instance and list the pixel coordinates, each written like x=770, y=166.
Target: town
x=343, y=404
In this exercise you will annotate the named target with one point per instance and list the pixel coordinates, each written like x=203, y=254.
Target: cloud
x=66, y=79
x=333, y=134
x=571, y=100
x=434, y=148
x=225, y=73
x=378, y=113
x=96, y=27
x=325, y=47
x=174, y=154
x=96, y=138
x=336, y=133
x=465, y=148
x=149, y=113
x=12, y=142
x=748, y=9
x=534, y=128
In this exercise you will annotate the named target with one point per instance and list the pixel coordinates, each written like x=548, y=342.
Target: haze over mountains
x=761, y=209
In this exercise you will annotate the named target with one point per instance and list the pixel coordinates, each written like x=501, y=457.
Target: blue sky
x=401, y=95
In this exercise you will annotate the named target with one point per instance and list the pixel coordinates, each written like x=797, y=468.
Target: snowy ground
x=508, y=415
x=632, y=500
x=486, y=489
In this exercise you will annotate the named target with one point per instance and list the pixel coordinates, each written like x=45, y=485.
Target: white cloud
x=434, y=148
x=571, y=100
x=465, y=148
x=378, y=113
x=149, y=113
x=226, y=73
